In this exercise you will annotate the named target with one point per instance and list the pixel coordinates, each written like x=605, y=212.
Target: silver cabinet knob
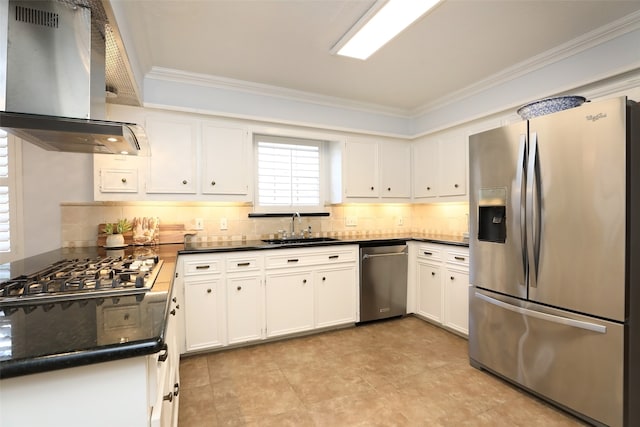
x=184, y=181
x=213, y=183
x=124, y=180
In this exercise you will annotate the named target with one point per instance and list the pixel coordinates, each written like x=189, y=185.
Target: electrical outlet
x=199, y=224
x=223, y=224
x=400, y=221
x=351, y=221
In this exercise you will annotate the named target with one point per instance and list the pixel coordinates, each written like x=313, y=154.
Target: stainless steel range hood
x=52, y=91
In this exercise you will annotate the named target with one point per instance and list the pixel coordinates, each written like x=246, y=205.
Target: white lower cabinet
x=441, y=285
x=456, y=299
x=240, y=297
x=289, y=302
x=166, y=365
x=335, y=296
x=429, y=291
x=204, y=313
x=311, y=288
x=245, y=313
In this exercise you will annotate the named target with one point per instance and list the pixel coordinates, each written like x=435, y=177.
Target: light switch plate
x=351, y=221
x=199, y=224
x=223, y=224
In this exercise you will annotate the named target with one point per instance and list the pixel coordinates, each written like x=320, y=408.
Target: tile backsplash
x=80, y=220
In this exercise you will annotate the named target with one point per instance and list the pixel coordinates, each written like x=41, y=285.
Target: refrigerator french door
x=551, y=203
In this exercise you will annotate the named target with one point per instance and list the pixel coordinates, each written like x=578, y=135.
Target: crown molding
x=225, y=83
x=439, y=107
x=587, y=41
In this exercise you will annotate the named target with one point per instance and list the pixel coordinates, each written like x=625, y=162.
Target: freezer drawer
x=573, y=360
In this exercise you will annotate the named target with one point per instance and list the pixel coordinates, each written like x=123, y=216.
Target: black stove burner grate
x=71, y=279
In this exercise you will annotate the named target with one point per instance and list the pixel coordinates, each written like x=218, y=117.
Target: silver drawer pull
x=428, y=253
x=293, y=260
x=602, y=329
x=244, y=264
x=202, y=267
x=334, y=256
x=459, y=258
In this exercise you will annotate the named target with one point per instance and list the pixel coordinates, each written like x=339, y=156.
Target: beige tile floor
x=403, y=372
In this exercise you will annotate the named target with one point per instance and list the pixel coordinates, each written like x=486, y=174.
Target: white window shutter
x=288, y=173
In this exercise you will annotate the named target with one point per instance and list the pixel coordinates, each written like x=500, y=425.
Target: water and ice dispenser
x=492, y=209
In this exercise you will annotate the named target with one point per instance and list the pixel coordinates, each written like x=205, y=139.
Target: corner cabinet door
x=226, y=157
x=335, y=296
x=172, y=164
x=245, y=314
x=395, y=170
x=361, y=169
x=289, y=303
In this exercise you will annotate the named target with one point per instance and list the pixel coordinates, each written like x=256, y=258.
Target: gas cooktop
x=72, y=279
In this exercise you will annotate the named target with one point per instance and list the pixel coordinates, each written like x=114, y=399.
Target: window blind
x=288, y=173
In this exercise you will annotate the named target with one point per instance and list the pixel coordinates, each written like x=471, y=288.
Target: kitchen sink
x=299, y=240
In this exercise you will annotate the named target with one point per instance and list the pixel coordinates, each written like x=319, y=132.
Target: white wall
x=50, y=178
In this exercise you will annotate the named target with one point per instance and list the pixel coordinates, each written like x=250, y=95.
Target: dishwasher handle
x=365, y=256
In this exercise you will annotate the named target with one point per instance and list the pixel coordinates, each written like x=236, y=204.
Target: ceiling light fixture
x=379, y=25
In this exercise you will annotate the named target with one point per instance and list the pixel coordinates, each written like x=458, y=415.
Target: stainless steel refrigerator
x=554, y=208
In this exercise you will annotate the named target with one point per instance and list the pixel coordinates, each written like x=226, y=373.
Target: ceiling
x=286, y=43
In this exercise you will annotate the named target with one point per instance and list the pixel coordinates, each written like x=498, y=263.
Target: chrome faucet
x=293, y=223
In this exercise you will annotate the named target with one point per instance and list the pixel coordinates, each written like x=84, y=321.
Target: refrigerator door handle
x=518, y=200
x=529, y=205
x=544, y=316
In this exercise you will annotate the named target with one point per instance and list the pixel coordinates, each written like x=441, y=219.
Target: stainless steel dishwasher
x=383, y=281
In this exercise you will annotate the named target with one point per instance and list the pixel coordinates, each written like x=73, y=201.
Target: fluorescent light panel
x=388, y=22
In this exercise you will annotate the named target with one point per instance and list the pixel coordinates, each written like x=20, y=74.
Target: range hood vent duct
x=52, y=91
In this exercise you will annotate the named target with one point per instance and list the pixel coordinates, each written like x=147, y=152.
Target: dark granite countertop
x=49, y=336
x=251, y=245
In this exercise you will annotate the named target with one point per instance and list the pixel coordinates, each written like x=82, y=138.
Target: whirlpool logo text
x=596, y=117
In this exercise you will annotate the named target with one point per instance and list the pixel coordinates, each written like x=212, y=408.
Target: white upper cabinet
x=368, y=170
x=395, y=167
x=117, y=177
x=187, y=158
x=361, y=169
x=226, y=160
x=453, y=171
x=172, y=164
x=440, y=168
x=425, y=169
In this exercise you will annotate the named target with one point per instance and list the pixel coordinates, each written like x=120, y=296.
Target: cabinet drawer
x=194, y=267
x=119, y=180
x=247, y=263
x=429, y=252
x=458, y=257
x=305, y=257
